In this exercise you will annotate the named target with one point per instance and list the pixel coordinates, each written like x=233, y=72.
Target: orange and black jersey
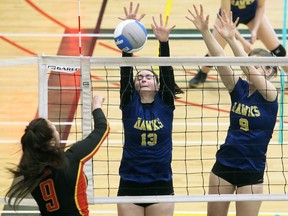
x=63, y=191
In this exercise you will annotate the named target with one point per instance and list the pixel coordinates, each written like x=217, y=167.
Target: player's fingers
x=137, y=8
x=220, y=19
x=225, y=17
x=188, y=18
x=190, y=14
x=201, y=10
x=154, y=21
x=236, y=21
x=131, y=7
x=172, y=28
x=125, y=11
x=141, y=17
x=196, y=10
x=207, y=18
x=231, y=17
x=166, y=21
x=161, y=20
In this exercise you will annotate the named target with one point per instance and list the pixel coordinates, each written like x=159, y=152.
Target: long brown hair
x=38, y=155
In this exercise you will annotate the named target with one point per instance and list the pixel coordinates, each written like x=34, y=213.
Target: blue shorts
x=241, y=21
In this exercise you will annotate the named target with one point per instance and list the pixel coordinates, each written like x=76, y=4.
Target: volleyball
x=130, y=36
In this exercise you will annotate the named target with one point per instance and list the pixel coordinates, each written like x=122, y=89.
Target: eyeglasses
x=147, y=76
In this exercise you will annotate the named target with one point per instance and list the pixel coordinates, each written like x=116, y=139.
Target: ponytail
x=38, y=156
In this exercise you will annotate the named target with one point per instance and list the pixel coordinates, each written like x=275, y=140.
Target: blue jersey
x=147, y=152
x=252, y=121
x=244, y=9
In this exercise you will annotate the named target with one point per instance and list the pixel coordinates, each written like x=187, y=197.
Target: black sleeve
x=86, y=148
x=126, y=82
x=167, y=80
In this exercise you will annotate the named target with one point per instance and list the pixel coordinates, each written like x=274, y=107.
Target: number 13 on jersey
x=148, y=139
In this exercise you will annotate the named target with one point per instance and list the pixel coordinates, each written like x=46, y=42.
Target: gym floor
x=33, y=27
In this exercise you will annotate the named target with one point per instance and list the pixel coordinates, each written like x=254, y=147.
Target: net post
x=86, y=95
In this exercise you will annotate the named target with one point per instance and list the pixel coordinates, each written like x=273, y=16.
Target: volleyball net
x=201, y=120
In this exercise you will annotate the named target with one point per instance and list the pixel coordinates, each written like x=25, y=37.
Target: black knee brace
x=279, y=51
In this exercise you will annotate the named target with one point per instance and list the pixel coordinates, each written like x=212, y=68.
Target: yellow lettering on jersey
x=234, y=107
x=255, y=111
x=245, y=110
x=238, y=109
x=148, y=125
x=241, y=4
x=157, y=124
x=142, y=126
x=137, y=123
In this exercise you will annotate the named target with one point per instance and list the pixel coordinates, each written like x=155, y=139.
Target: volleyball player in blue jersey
x=147, y=104
x=240, y=161
x=56, y=178
x=252, y=14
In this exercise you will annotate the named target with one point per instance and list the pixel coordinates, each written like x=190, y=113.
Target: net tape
x=149, y=61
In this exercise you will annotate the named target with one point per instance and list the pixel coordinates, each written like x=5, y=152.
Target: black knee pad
x=279, y=51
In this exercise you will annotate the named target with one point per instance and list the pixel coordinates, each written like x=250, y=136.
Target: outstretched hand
x=226, y=28
x=200, y=22
x=130, y=14
x=97, y=101
x=161, y=31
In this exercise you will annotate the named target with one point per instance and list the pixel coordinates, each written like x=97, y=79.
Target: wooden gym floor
x=32, y=27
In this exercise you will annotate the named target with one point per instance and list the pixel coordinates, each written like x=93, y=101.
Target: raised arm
x=126, y=83
x=227, y=75
x=126, y=73
x=227, y=31
x=86, y=148
x=167, y=80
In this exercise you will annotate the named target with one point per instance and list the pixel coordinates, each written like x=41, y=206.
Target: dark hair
x=265, y=53
x=38, y=155
x=178, y=90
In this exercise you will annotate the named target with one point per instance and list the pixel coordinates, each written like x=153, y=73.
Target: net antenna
x=79, y=28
